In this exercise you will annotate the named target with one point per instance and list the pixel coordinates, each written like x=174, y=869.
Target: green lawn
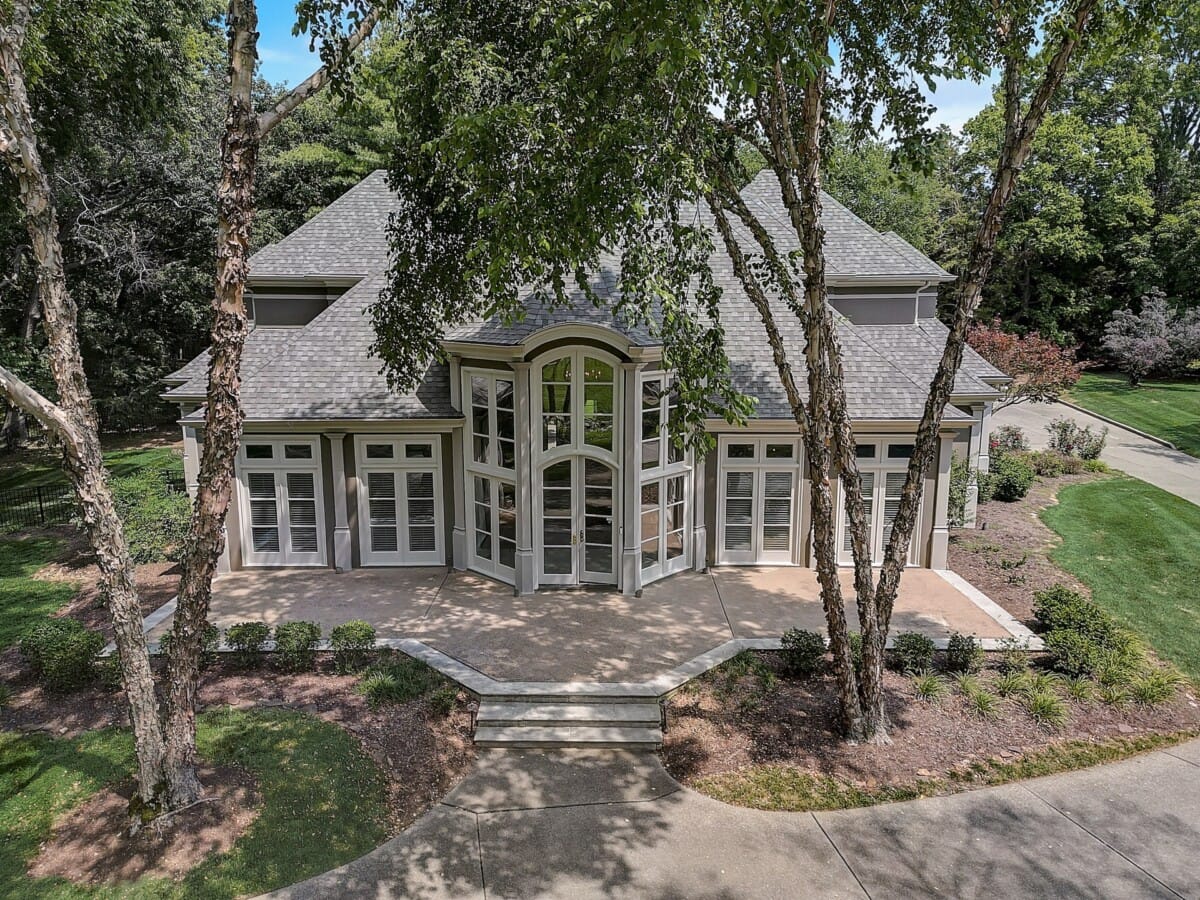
x=1165, y=409
x=41, y=469
x=25, y=600
x=1135, y=546
x=323, y=802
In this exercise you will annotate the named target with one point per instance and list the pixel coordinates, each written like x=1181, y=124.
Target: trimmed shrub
x=1095, y=466
x=352, y=644
x=1083, y=639
x=1012, y=477
x=62, y=653
x=963, y=653
x=1061, y=607
x=1074, y=653
x=155, y=518
x=1007, y=439
x=1068, y=438
x=296, y=646
x=911, y=653
x=803, y=652
x=208, y=648
x=246, y=640
x=1052, y=464
x=960, y=485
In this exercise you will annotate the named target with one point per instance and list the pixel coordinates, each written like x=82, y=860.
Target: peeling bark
x=72, y=420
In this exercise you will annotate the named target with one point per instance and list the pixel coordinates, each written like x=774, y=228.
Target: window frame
x=759, y=465
x=279, y=466
x=881, y=465
x=400, y=465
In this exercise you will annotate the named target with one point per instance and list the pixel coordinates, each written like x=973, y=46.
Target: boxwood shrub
x=296, y=646
x=803, y=651
x=352, y=644
x=246, y=640
x=963, y=653
x=62, y=653
x=911, y=653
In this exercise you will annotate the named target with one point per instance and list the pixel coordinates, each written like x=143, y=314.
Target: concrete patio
x=586, y=634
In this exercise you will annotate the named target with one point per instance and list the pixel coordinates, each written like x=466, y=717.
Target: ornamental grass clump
x=929, y=686
x=1047, y=709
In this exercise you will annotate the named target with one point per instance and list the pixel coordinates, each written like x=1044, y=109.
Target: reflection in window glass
x=259, y=451
x=416, y=451
x=900, y=451
x=379, y=451
x=865, y=451
x=740, y=451
x=779, y=451
x=297, y=451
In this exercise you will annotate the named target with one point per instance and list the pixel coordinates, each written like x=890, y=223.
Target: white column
x=631, y=469
x=458, y=534
x=985, y=437
x=526, y=433
x=973, y=450
x=939, y=545
x=342, y=558
x=191, y=459
x=699, y=529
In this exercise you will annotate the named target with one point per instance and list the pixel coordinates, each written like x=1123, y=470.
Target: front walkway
x=1172, y=470
x=585, y=634
x=580, y=824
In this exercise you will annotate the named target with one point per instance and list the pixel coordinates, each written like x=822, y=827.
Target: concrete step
x=600, y=714
x=566, y=696
x=550, y=736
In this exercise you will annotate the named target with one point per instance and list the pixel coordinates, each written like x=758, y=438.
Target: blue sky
x=286, y=58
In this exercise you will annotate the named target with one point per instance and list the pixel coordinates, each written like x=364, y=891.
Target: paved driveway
x=582, y=824
x=1168, y=469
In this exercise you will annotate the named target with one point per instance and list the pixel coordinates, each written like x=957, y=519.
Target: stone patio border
x=485, y=686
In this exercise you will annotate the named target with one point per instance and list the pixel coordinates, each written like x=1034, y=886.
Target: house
x=538, y=453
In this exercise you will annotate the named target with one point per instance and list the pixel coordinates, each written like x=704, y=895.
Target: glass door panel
x=302, y=513
x=558, y=523
x=777, y=491
x=381, y=502
x=264, y=512
x=599, y=522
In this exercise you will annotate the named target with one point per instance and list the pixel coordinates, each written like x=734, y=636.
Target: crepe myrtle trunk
x=72, y=419
x=240, y=144
x=815, y=442
x=223, y=414
x=1019, y=132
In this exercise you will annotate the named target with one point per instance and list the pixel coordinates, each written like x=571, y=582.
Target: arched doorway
x=577, y=485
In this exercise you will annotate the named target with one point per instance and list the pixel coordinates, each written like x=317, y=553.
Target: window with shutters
x=280, y=490
x=757, y=510
x=400, y=499
x=883, y=467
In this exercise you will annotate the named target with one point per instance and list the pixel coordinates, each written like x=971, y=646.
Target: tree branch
x=317, y=80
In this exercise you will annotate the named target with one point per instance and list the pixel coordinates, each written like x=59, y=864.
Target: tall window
x=757, y=505
x=666, y=481
x=491, y=487
x=883, y=468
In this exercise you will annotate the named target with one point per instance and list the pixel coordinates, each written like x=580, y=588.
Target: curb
x=1121, y=425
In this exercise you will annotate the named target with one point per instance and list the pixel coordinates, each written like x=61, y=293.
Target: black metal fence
x=37, y=506
x=52, y=504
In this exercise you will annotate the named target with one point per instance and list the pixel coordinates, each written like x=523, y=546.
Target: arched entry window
x=577, y=471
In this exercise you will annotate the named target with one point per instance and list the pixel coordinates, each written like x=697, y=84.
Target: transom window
x=576, y=401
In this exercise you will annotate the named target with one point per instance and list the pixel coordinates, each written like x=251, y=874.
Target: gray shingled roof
x=262, y=344
x=348, y=237
x=328, y=372
x=935, y=332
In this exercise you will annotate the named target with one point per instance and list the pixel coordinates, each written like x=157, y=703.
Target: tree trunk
x=1020, y=131
x=73, y=419
x=223, y=416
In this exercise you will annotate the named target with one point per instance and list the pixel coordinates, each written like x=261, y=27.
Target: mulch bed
x=92, y=843
x=1005, y=556
x=421, y=754
x=712, y=729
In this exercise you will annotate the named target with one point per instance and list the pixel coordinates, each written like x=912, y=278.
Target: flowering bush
x=1068, y=438
x=1040, y=369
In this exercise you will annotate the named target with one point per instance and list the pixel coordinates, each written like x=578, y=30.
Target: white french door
x=400, y=500
x=282, y=509
x=882, y=481
x=757, y=503
x=578, y=522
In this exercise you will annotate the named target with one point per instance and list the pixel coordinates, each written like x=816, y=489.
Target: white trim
x=489, y=470
x=759, y=466
x=278, y=465
x=399, y=466
x=578, y=451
